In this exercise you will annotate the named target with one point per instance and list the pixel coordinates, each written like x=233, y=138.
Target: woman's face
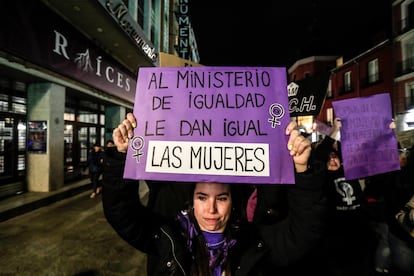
x=403, y=159
x=334, y=163
x=212, y=206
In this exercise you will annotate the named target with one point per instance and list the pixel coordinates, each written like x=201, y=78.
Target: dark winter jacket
x=94, y=161
x=259, y=250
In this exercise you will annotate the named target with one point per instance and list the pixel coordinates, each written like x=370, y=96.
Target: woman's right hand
x=299, y=147
x=337, y=124
x=124, y=132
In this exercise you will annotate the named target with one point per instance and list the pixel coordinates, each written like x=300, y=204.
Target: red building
x=387, y=67
x=403, y=59
x=367, y=74
x=371, y=72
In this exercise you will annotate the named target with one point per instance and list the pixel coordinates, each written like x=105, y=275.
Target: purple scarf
x=217, y=245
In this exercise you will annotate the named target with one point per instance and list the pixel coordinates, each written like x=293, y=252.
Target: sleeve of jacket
x=133, y=222
x=304, y=227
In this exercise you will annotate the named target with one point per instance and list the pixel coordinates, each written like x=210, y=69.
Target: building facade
x=387, y=67
x=381, y=69
x=364, y=75
x=403, y=58
x=68, y=77
x=367, y=74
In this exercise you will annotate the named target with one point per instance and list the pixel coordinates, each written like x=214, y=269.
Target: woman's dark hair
x=239, y=201
x=200, y=265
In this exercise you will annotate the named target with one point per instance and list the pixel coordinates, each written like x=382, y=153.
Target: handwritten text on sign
x=368, y=145
x=222, y=124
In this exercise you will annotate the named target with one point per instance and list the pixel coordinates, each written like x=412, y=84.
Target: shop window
x=21, y=162
x=91, y=118
x=88, y=104
x=4, y=102
x=69, y=114
x=21, y=136
x=84, y=126
x=83, y=142
x=19, y=86
x=19, y=105
x=13, y=148
x=102, y=119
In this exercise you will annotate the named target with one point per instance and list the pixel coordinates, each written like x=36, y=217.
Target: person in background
x=110, y=143
x=109, y=150
x=398, y=199
x=94, y=164
x=212, y=237
x=348, y=242
x=375, y=210
x=375, y=206
x=267, y=203
x=405, y=217
x=386, y=196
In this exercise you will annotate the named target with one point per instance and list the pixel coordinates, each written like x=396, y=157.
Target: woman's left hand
x=299, y=147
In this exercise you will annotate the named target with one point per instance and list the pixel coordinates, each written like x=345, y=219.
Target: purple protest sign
x=211, y=124
x=323, y=128
x=368, y=145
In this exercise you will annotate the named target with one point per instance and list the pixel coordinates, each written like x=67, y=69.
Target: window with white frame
x=329, y=115
x=409, y=95
x=347, y=81
x=408, y=52
x=329, y=89
x=373, y=71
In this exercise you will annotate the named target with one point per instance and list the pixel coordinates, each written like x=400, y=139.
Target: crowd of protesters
x=368, y=225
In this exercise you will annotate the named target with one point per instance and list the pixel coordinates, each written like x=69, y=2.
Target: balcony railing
x=404, y=67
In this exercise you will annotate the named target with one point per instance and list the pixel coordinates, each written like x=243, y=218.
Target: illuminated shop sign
x=121, y=14
x=183, y=30
x=85, y=62
x=54, y=44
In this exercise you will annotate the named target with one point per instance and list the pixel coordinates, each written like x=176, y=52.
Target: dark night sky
x=277, y=33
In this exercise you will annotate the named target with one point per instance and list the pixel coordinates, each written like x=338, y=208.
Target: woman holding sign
x=347, y=247
x=211, y=237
